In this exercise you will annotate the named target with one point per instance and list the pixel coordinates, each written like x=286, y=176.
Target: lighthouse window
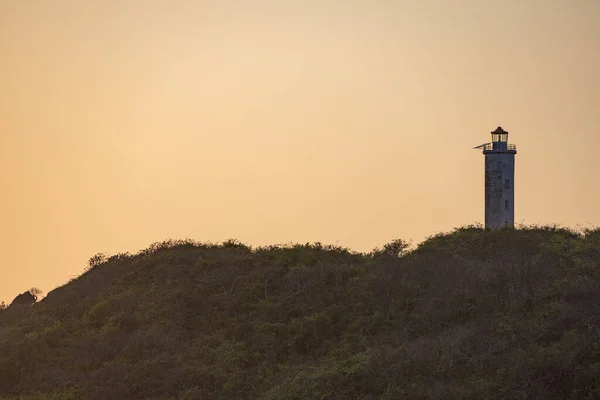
x=507, y=184
x=506, y=204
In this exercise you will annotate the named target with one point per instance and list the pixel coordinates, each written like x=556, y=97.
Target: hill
x=472, y=314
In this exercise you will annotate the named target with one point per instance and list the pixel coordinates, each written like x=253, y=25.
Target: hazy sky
x=348, y=122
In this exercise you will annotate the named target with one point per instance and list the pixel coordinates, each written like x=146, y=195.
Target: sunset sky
x=123, y=123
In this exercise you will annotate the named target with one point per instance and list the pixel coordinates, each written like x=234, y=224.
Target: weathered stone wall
x=499, y=189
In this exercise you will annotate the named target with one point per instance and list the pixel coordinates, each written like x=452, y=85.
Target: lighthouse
x=499, y=180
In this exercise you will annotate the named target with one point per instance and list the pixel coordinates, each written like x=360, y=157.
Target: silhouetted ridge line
x=470, y=314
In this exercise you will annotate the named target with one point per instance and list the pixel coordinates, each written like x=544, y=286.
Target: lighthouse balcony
x=500, y=147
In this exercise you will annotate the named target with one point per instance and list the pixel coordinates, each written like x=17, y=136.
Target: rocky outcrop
x=24, y=299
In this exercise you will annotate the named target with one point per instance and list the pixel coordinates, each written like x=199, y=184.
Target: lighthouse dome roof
x=499, y=130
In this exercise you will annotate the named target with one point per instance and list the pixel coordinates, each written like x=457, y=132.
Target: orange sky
x=346, y=122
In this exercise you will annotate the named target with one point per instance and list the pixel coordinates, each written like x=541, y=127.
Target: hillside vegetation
x=472, y=314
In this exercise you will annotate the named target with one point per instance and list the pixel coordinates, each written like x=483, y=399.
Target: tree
x=96, y=260
x=36, y=293
x=394, y=249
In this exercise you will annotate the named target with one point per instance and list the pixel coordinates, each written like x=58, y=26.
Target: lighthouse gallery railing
x=490, y=147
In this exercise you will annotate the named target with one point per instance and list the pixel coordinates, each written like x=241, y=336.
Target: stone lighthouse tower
x=499, y=180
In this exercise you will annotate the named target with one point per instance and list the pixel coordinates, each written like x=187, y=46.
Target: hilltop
x=471, y=314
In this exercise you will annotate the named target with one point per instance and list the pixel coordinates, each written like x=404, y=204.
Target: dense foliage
x=473, y=314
